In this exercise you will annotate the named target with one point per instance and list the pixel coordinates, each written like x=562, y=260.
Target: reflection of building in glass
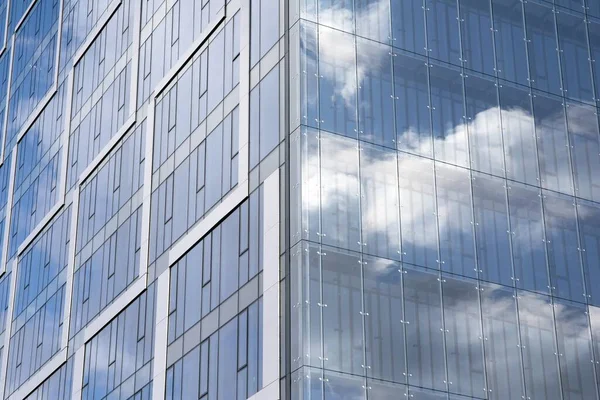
x=299, y=199
x=444, y=202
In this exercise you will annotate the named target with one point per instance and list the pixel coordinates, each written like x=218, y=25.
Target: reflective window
x=542, y=46
x=464, y=346
x=552, y=142
x=424, y=329
x=501, y=341
x=527, y=238
x=443, y=37
x=562, y=245
x=509, y=40
x=491, y=229
x=417, y=210
x=574, y=57
x=538, y=346
x=118, y=360
x=380, y=201
x=447, y=115
x=455, y=220
x=477, y=34
x=375, y=93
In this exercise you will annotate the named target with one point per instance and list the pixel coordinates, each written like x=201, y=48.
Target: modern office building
x=299, y=199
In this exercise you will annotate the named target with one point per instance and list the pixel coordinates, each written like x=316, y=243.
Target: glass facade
x=299, y=199
x=443, y=230
x=142, y=199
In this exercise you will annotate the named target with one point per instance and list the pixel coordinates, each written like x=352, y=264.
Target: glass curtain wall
x=444, y=199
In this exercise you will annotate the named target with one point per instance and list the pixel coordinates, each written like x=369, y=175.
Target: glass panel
x=576, y=5
x=491, y=229
x=582, y=124
x=306, y=310
x=424, y=329
x=553, y=147
x=541, y=42
x=380, y=203
x=447, y=114
x=501, y=339
x=412, y=105
x=384, y=324
x=378, y=390
x=373, y=19
x=442, y=30
x=426, y=394
x=417, y=210
x=343, y=344
x=306, y=156
x=455, y=219
x=538, y=346
x=476, y=26
x=594, y=313
x=337, y=83
x=307, y=384
x=574, y=350
x=518, y=132
x=338, y=14
x=375, y=93
x=309, y=78
x=563, y=247
x=464, y=347
x=485, y=135
x=408, y=25
x=340, y=207
x=344, y=387
x=527, y=234
x=509, y=37
x=594, y=43
x=589, y=233
x=227, y=361
x=574, y=56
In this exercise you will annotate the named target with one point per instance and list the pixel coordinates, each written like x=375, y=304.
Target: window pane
x=527, y=234
x=575, y=350
x=373, y=19
x=485, y=135
x=582, y=123
x=442, y=30
x=464, y=347
x=337, y=84
x=477, y=34
x=575, y=64
x=384, y=324
x=538, y=346
x=553, y=148
x=501, y=339
x=379, y=201
x=509, y=37
x=417, y=210
x=542, y=46
x=408, y=25
x=413, y=132
x=339, y=191
x=375, y=93
x=491, y=228
x=343, y=344
x=589, y=231
x=519, y=135
x=455, y=220
x=447, y=114
x=563, y=247
x=424, y=329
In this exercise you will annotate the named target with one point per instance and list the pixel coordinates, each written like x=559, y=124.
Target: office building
x=300, y=199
